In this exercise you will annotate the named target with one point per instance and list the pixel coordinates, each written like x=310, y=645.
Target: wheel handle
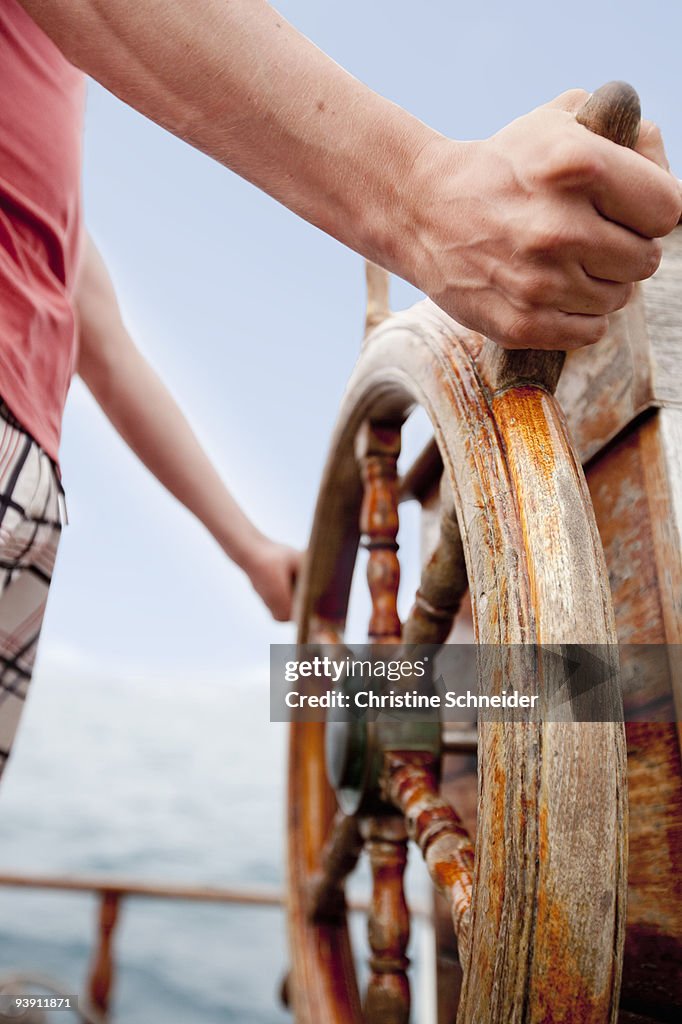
x=613, y=112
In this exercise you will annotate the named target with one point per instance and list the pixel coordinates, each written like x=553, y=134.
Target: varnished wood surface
x=377, y=449
x=412, y=785
x=322, y=967
x=388, y=925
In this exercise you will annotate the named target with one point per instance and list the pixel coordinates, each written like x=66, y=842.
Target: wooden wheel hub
x=356, y=750
x=347, y=757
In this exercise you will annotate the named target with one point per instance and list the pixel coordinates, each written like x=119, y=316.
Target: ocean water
x=156, y=779
x=149, y=779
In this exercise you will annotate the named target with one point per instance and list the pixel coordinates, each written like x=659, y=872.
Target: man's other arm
x=148, y=419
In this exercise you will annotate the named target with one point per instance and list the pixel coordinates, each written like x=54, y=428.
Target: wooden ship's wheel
x=531, y=918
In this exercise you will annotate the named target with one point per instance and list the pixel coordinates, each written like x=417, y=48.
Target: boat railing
x=94, y=1005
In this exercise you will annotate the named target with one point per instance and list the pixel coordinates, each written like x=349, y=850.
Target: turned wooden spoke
x=443, y=584
x=411, y=785
x=338, y=858
x=378, y=447
x=388, y=924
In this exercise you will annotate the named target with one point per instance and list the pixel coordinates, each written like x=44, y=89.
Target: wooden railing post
x=101, y=976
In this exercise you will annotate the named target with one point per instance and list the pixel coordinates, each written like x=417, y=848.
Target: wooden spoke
x=285, y=991
x=324, y=632
x=423, y=474
x=443, y=584
x=388, y=925
x=378, y=447
x=411, y=785
x=338, y=858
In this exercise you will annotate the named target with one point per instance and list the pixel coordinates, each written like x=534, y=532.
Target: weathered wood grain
x=663, y=316
x=513, y=947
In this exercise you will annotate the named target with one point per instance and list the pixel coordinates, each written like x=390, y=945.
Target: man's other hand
x=272, y=569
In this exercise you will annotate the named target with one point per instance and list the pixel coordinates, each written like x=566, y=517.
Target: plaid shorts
x=31, y=516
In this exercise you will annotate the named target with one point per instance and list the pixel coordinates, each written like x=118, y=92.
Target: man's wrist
x=406, y=234
x=245, y=549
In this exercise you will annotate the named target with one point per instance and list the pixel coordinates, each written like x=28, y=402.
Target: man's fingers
x=617, y=178
x=616, y=254
x=568, y=288
x=548, y=329
x=631, y=190
x=650, y=141
x=598, y=298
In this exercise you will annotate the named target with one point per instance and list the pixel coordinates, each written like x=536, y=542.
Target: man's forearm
x=236, y=80
x=532, y=236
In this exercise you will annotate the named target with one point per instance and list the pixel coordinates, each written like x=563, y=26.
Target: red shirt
x=41, y=118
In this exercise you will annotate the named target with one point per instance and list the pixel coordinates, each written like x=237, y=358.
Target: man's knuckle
x=577, y=95
x=575, y=161
x=535, y=289
x=550, y=236
x=571, y=99
x=597, y=330
x=649, y=135
x=522, y=329
x=652, y=259
x=620, y=296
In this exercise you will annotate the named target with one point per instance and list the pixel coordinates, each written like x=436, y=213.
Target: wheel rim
x=522, y=507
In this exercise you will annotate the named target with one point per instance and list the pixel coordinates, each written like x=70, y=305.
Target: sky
x=254, y=318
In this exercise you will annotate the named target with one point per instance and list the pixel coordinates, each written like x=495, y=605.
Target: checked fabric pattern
x=31, y=517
